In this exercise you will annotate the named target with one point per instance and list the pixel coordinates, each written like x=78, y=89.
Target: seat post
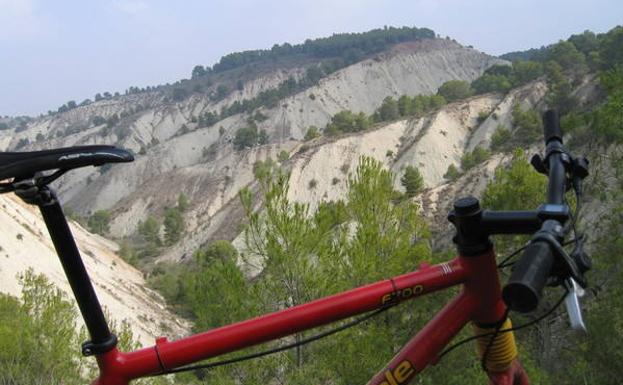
x=102, y=340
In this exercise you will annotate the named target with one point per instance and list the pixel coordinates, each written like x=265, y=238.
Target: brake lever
x=572, y=302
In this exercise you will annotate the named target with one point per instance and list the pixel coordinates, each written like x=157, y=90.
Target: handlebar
x=523, y=290
x=530, y=275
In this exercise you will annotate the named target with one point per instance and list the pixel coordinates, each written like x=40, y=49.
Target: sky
x=55, y=51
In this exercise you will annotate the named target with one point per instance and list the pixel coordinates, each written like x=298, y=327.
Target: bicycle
x=481, y=301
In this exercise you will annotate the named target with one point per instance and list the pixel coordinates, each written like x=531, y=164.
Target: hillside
x=121, y=288
x=174, y=149
x=184, y=144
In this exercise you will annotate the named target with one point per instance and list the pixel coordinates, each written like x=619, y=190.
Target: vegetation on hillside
x=331, y=54
x=343, y=49
x=39, y=338
x=347, y=121
x=562, y=65
x=154, y=233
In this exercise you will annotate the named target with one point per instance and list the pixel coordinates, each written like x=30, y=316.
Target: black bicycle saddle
x=23, y=165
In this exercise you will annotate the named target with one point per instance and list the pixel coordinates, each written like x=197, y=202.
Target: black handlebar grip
x=523, y=290
x=551, y=126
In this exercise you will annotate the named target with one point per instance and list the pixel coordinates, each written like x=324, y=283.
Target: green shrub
x=527, y=125
x=303, y=148
x=262, y=137
x=388, y=111
x=283, y=156
x=263, y=169
x=609, y=116
x=182, y=202
x=453, y=90
x=98, y=120
x=412, y=181
x=419, y=104
x=491, y=83
x=38, y=335
x=482, y=116
x=526, y=71
x=500, y=138
x=112, y=121
x=150, y=232
x=210, y=151
x=23, y=142
x=311, y=133
x=347, y=121
x=246, y=137
x=99, y=222
x=452, y=173
x=476, y=157
x=173, y=225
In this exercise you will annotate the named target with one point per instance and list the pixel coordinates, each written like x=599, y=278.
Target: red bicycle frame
x=479, y=301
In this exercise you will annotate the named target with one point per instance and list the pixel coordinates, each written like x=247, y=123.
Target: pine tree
x=412, y=181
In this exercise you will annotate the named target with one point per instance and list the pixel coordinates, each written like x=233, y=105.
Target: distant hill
x=191, y=136
x=342, y=48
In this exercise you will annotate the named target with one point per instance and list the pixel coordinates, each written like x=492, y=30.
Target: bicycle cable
x=305, y=341
x=536, y=320
x=504, y=263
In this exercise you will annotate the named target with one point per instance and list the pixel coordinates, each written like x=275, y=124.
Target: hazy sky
x=55, y=51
